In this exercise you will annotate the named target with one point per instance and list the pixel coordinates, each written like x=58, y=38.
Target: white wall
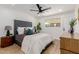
x=57, y=31
x=7, y=16
x=77, y=17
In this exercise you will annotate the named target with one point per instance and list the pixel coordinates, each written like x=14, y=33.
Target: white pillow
x=20, y=30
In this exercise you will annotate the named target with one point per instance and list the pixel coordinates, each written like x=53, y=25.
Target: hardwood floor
x=15, y=49
x=53, y=49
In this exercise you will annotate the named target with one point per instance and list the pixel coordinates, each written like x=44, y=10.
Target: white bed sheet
x=34, y=44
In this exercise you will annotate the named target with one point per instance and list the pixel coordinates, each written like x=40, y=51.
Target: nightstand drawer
x=6, y=41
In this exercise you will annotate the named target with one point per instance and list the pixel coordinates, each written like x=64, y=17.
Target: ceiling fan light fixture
x=42, y=14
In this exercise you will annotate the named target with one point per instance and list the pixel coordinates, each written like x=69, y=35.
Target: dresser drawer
x=70, y=44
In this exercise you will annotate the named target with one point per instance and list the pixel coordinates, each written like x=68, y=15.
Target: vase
x=72, y=30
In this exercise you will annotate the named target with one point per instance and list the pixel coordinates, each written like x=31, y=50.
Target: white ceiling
x=55, y=8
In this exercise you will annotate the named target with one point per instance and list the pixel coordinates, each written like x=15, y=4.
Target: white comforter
x=34, y=44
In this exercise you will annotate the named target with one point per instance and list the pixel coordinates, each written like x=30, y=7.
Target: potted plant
x=72, y=24
x=38, y=27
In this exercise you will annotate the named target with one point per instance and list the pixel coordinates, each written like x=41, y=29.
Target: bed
x=31, y=44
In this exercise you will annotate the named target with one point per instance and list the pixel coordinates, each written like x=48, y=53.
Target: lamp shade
x=8, y=28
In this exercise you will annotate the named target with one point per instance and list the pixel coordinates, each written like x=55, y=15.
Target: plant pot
x=72, y=30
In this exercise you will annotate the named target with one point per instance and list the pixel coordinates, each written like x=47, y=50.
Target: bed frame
x=46, y=47
x=19, y=23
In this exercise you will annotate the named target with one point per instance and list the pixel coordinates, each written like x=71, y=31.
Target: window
x=55, y=22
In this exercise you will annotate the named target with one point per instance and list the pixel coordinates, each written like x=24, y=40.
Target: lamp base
x=8, y=33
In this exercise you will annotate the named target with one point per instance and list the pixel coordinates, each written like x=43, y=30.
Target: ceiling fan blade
x=38, y=6
x=34, y=10
x=39, y=12
x=46, y=9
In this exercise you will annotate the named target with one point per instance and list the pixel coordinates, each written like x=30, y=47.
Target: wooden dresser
x=69, y=43
x=6, y=41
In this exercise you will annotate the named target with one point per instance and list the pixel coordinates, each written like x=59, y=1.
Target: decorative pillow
x=20, y=30
x=29, y=32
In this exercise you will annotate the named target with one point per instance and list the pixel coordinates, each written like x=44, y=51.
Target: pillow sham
x=20, y=30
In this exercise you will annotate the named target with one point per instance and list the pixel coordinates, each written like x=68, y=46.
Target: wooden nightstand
x=6, y=41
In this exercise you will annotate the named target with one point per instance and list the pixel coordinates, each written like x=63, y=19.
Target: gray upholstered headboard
x=19, y=23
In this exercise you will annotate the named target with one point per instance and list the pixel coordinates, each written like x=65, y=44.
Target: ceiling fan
x=40, y=9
